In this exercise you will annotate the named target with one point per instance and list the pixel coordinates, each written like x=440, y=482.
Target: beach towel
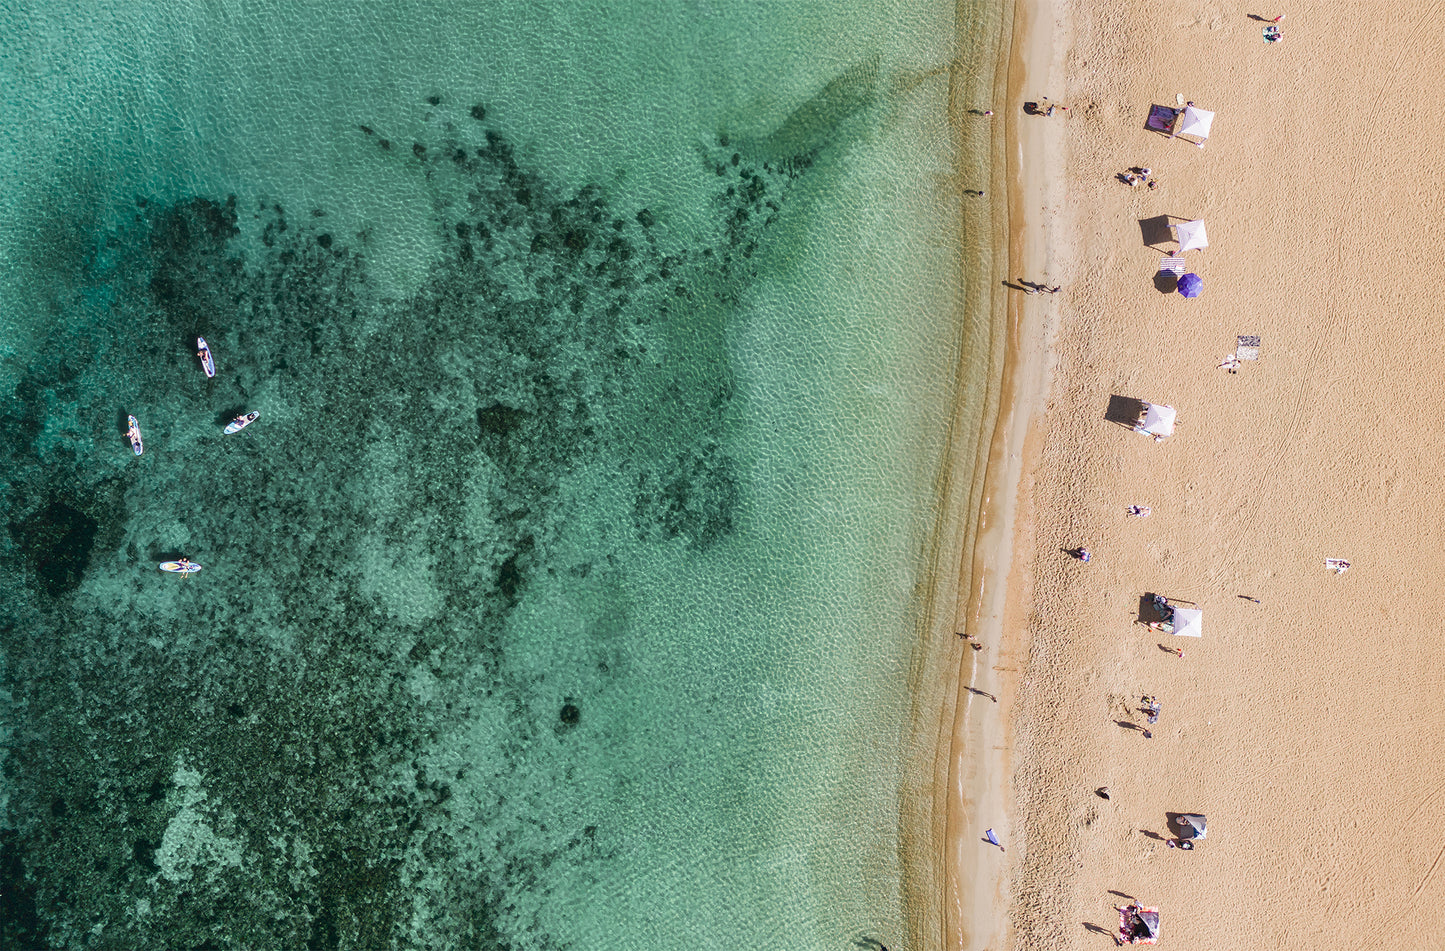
x=1161, y=118
x=1248, y=348
x=1174, y=264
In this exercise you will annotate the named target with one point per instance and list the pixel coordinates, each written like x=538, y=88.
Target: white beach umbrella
x=1188, y=622
x=1191, y=235
x=1195, y=122
x=1158, y=420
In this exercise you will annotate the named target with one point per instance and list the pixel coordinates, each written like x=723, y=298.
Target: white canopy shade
x=1188, y=622
x=1190, y=235
x=1158, y=420
x=1195, y=122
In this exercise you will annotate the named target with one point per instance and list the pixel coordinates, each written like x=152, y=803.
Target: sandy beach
x=1307, y=722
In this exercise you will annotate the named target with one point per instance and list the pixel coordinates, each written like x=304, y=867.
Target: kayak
x=241, y=422
x=180, y=567
x=208, y=362
x=134, y=433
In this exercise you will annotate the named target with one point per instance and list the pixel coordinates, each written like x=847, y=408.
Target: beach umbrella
x=1190, y=235
x=1188, y=622
x=1193, y=825
x=1195, y=122
x=1158, y=420
x=1190, y=285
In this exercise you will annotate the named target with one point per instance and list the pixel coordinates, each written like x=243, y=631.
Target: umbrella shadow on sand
x=1166, y=282
x=1124, y=411
x=1155, y=231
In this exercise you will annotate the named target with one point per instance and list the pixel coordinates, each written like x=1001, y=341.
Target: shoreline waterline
x=972, y=768
x=950, y=759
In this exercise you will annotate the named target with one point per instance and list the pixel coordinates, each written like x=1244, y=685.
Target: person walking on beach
x=1176, y=651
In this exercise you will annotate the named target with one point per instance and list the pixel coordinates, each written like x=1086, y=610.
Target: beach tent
x=1192, y=826
x=1188, y=622
x=1194, y=122
x=1157, y=421
x=1190, y=235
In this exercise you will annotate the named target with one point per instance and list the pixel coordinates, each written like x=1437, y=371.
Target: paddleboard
x=241, y=422
x=178, y=568
x=134, y=433
x=208, y=362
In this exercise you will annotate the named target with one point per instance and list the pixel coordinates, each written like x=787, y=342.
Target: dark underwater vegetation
x=267, y=755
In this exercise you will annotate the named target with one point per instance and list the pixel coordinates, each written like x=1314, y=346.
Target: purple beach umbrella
x=1190, y=285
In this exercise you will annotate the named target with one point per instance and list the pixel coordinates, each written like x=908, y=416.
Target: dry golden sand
x=1311, y=727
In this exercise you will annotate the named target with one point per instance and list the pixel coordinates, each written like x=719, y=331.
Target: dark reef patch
x=20, y=922
x=56, y=541
x=694, y=497
x=290, y=719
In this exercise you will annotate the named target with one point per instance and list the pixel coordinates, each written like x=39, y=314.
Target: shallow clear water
x=561, y=596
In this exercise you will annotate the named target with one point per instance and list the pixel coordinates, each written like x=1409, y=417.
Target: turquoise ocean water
x=563, y=594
